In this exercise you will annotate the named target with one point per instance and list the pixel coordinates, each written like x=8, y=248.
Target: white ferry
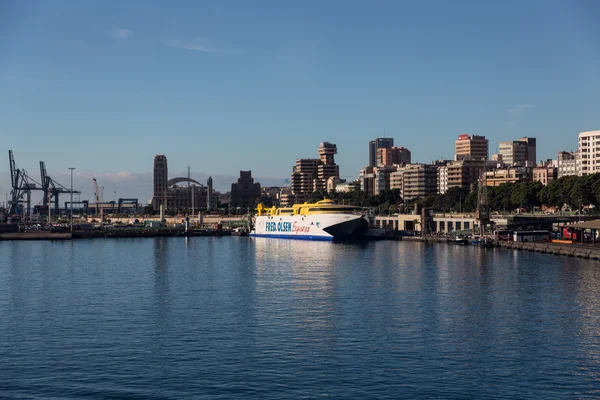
x=323, y=220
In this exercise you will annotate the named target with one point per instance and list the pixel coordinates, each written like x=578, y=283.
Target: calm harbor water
x=174, y=318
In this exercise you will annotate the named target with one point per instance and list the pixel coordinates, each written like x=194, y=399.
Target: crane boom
x=15, y=178
x=14, y=175
x=45, y=183
x=98, y=201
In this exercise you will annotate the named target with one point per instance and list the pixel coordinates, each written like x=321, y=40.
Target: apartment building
x=545, y=174
x=497, y=177
x=520, y=152
x=513, y=153
x=415, y=180
x=419, y=181
x=589, y=153
x=387, y=157
x=311, y=174
x=463, y=173
x=567, y=163
x=471, y=147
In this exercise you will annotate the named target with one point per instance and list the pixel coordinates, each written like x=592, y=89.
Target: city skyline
x=104, y=90
x=139, y=184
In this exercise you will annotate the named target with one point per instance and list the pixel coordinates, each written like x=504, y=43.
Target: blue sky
x=229, y=85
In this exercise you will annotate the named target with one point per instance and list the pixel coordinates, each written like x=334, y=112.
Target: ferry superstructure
x=323, y=220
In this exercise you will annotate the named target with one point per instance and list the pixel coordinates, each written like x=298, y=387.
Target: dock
x=114, y=233
x=564, y=248
x=35, y=236
x=561, y=249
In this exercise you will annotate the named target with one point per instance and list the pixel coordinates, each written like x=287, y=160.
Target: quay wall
x=562, y=249
x=559, y=249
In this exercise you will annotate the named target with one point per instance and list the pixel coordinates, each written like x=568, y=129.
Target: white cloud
x=193, y=45
x=520, y=109
x=121, y=33
x=516, y=115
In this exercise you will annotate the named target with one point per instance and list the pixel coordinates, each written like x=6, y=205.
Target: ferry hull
x=311, y=227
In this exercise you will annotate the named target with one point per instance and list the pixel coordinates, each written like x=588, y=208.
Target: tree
x=525, y=194
x=317, y=195
x=429, y=201
x=470, y=203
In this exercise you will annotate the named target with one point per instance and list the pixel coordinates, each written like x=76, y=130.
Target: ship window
x=335, y=209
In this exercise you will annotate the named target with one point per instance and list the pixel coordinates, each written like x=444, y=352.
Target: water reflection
x=162, y=260
x=588, y=306
x=298, y=276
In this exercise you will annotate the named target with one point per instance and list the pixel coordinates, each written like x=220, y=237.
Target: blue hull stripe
x=324, y=238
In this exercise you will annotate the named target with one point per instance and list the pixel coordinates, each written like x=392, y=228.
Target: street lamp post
x=71, y=216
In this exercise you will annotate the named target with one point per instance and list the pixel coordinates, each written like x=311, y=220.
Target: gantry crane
x=15, y=178
x=52, y=189
x=21, y=185
x=99, y=201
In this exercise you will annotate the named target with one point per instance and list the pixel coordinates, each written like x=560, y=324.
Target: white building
x=341, y=185
x=589, y=153
x=567, y=163
x=513, y=152
x=442, y=179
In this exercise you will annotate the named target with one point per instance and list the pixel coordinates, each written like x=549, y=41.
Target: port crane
x=15, y=182
x=21, y=186
x=99, y=201
x=52, y=189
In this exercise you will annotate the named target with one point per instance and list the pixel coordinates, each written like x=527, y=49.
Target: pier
x=113, y=233
x=556, y=247
x=559, y=248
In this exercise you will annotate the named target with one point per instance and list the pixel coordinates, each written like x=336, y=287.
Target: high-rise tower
x=161, y=177
x=471, y=147
x=209, y=194
x=379, y=143
x=327, y=167
x=531, y=149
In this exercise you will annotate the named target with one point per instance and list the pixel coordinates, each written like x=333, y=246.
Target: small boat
x=486, y=243
x=458, y=240
x=239, y=232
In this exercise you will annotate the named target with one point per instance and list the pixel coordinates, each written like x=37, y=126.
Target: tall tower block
x=161, y=176
x=209, y=194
